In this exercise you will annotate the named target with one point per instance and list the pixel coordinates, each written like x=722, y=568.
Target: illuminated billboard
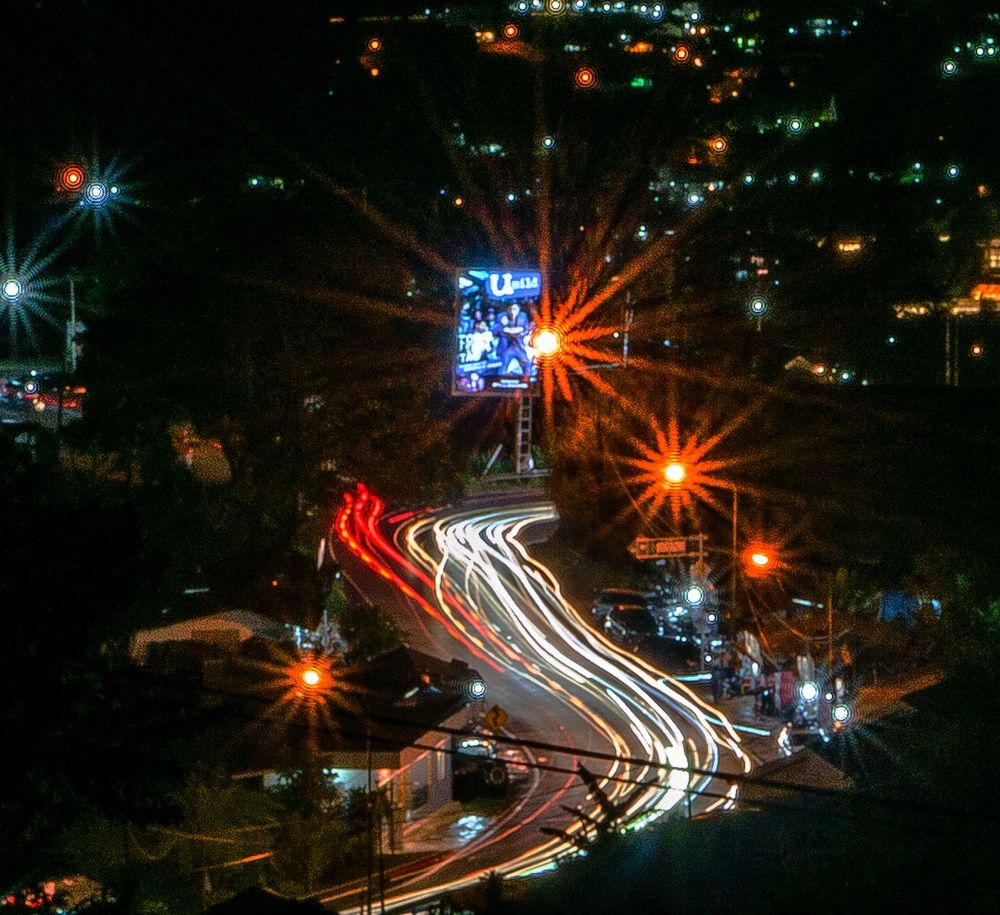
x=497, y=312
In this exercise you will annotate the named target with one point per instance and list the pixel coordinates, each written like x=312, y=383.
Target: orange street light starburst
x=563, y=352
x=677, y=470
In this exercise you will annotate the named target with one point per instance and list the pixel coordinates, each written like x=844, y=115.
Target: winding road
x=463, y=583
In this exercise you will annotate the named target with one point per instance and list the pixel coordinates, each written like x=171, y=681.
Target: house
x=382, y=717
x=387, y=720
x=226, y=629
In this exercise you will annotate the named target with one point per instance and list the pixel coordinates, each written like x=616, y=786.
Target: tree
x=367, y=629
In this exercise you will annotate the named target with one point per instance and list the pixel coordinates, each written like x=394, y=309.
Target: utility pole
x=700, y=566
x=71, y=330
x=370, y=814
x=627, y=326
x=735, y=567
x=69, y=346
x=829, y=626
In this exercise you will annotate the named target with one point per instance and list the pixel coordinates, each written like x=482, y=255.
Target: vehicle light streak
x=470, y=572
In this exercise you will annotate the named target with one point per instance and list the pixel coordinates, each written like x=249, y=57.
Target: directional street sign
x=495, y=718
x=658, y=547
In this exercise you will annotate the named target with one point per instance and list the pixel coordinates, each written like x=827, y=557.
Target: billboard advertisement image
x=497, y=312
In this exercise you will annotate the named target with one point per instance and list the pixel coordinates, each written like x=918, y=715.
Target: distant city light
x=795, y=125
x=12, y=289
x=71, y=178
x=976, y=350
x=548, y=142
x=841, y=713
x=477, y=688
x=510, y=30
x=374, y=44
x=748, y=179
x=809, y=691
x=95, y=194
x=952, y=171
x=694, y=595
x=949, y=67
x=682, y=53
x=891, y=341
x=585, y=77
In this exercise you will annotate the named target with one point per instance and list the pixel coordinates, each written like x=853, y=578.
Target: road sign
x=495, y=718
x=658, y=547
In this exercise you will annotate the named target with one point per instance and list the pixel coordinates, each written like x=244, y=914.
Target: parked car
x=477, y=768
x=631, y=623
x=616, y=597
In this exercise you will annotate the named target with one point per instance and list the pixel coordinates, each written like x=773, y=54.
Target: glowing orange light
x=547, y=341
x=374, y=71
x=510, y=30
x=311, y=677
x=71, y=178
x=758, y=560
x=681, y=53
x=374, y=44
x=585, y=77
x=675, y=473
x=459, y=201
x=719, y=144
x=977, y=349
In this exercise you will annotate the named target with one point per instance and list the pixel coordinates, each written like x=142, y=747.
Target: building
x=226, y=630
x=384, y=718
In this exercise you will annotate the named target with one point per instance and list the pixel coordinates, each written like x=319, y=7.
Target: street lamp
x=12, y=289
x=311, y=678
x=694, y=595
x=841, y=714
x=95, y=194
x=675, y=473
x=547, y=341
x=758, y=560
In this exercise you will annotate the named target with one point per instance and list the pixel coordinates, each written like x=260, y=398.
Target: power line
x=742, y=779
